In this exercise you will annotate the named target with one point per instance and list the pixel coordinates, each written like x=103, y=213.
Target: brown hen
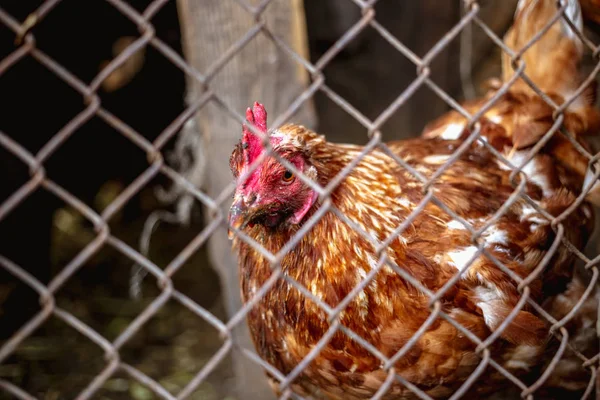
x=435, y=253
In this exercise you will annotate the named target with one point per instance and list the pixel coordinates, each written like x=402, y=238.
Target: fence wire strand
x=25, y=46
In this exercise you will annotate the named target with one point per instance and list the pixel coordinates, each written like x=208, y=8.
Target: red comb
x=252, y=144
x=257, y=116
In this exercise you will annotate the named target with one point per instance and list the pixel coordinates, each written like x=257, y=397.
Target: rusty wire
x=25, y=45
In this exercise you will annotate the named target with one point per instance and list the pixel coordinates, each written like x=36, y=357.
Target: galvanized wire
x=25, y=45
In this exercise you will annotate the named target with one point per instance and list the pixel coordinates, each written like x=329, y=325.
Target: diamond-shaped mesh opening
x=379, y=81
x=187, y=279
x=80, y=156
x=28, y=84
x=90, y=295
x=71, y=27
x=328, y=29
x=175, y=345
x=151, y=113
x=354, y=131
x=71, y=232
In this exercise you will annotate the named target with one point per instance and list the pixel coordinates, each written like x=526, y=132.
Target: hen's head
x=270, y=195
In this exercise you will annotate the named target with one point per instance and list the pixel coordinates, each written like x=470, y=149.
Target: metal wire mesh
x=26, y=47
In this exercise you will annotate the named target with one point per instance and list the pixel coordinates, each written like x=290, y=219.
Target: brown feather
x=378, y=195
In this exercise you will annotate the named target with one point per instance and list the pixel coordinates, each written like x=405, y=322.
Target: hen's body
x=335, y=258
x=377, y=196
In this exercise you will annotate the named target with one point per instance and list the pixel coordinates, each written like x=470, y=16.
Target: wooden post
x=258, y=72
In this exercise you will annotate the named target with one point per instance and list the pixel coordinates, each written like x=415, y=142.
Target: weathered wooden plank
x=258, y=72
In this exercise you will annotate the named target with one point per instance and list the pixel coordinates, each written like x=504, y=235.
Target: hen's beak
x=237, y=215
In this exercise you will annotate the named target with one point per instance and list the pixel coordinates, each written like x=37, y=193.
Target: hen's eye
x=287, y=176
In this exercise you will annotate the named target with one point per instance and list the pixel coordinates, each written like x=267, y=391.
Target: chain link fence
x=25, y=46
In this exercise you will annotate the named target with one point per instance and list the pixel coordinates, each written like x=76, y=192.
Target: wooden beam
x=262, y=72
